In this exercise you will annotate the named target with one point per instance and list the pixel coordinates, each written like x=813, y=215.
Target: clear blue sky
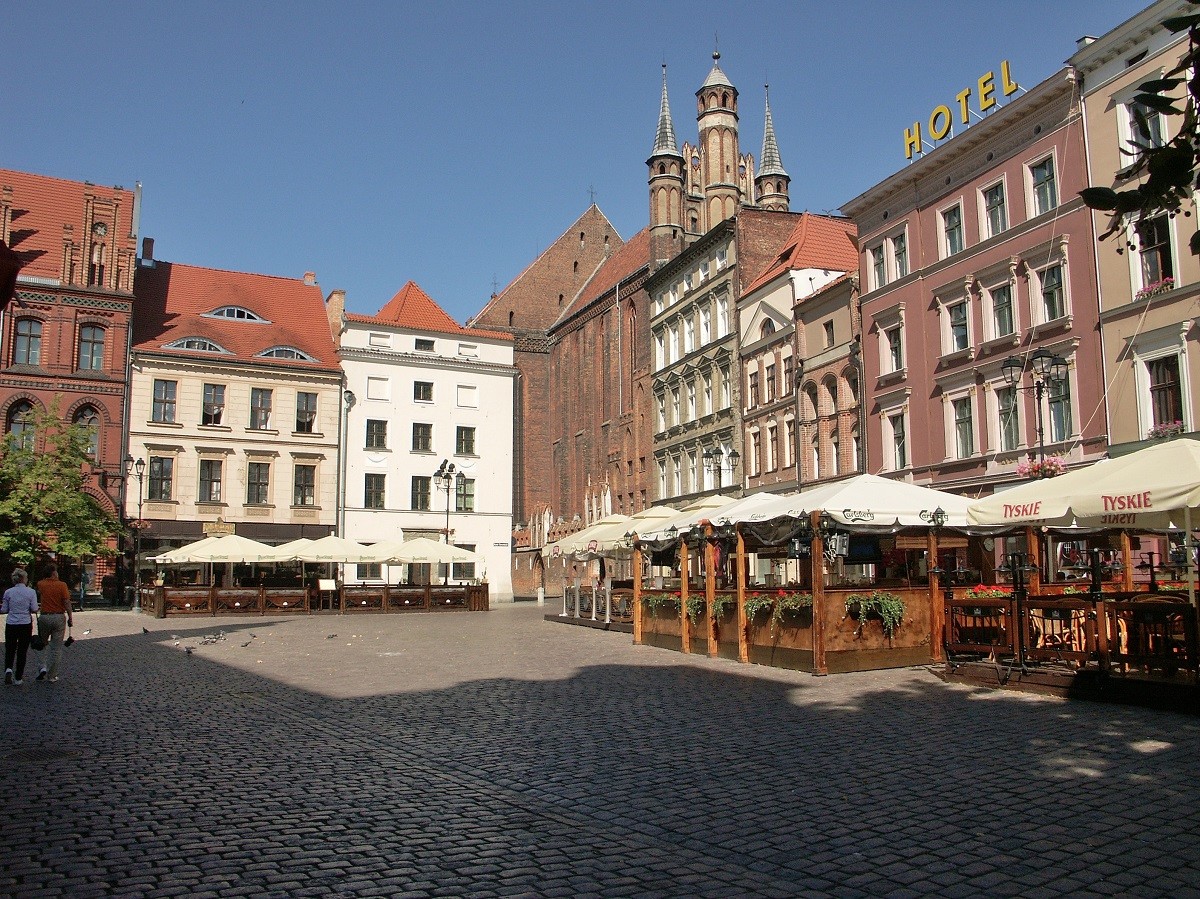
x=449, y=143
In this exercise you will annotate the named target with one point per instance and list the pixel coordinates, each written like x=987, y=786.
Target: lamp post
x=714, y=461
x=1047, y=370
x=444, y=477
x=138, y=469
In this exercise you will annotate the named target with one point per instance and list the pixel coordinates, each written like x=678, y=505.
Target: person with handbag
x=18, y=606
x=54, y=600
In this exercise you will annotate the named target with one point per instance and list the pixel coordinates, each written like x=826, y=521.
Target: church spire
x=664, y=141
x=772, y=180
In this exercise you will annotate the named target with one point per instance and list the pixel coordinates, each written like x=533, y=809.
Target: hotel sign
x=942, y=118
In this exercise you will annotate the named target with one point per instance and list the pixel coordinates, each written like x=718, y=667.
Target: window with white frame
x=900, y=254
x=1002, y=319
x=1008, y=418
x=660, y=351
x=676, y=477
x=1043, y=186
x=752, y=390
x=1053, y=298
x=963, y=422
x=893, y=346
x=662, y=478
x=995, y=215
x=1058, y=408
x=1166, y=390
x=705, y=325
x=691, y=401
x=1157, y=265
x=895, y=438
x=675, y=406
x=789, y=446
x=770, y=382
x=661, y=401
x=708, y=398
x=722, y=317
x=1143, y=125
x=952, y=230
x=878, y=266
x=210, y=481
x=689, y=335
x=725, y=388
x=772, y=443
x=693, y=463
x=958, y=333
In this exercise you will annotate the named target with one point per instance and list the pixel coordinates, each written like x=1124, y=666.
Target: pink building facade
x=978, y=253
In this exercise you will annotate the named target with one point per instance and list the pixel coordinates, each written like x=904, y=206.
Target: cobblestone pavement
x=500, y=755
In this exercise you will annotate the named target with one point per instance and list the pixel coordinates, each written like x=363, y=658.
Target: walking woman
x=19, y=605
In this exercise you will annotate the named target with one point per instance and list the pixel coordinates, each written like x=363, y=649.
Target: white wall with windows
x=423, y=399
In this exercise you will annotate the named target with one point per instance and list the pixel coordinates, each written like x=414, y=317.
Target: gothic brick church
x=585, y=430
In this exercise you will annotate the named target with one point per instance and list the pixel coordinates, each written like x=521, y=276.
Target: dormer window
x=241, y=313
x=287, y=352
x=423, y=345
x=195, y=343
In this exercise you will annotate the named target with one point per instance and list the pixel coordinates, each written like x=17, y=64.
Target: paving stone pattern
x=501, y=755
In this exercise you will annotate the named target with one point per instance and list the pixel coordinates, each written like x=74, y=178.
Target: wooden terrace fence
x=1121, y=633
x=163, y=601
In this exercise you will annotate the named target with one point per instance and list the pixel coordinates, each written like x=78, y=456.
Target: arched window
x=96, y=267
x=662, y=168
x=816, y=457
x=831, y=397
x=510, y=317
x=91, y=348
x=767, y=329
x=286, y=352
x=810, y=393
x=724, y=98
x=89, y=418
x=27, y=342
x=20, y=425
x=241, y=313
x=195, y=343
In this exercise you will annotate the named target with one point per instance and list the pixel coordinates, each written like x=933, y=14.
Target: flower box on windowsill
x=1166, y=285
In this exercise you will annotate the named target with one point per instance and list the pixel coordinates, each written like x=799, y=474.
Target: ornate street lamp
x=1047, y=370
x=714, y=461
x=138, y=470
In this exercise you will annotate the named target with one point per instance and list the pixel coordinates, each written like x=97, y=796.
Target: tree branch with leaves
x=1169, y=168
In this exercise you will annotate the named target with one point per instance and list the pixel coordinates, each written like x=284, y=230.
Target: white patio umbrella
x=577, y=542
x=422, y=550
x=180, y=553
x=230, y=548
x=609, y=540
x=864, y=502
x=1151, y=489
x=332, y=548
x=287, y=552
x=686, y=517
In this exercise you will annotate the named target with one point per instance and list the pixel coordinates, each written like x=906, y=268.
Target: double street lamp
x=138, y=470
x=714, y=461
x=446, y=478
x=1048, y=370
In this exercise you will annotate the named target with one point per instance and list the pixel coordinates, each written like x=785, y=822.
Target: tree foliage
x=43, y=508
x=1166, y=172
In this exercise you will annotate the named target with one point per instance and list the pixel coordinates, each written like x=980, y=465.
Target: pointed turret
x=664, y=141
x=772, y=180
x=717, y=116
x=666, y=186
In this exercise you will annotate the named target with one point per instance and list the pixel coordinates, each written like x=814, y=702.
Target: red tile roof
x=171, y=300
x=633, y=255
x=43, y=206
x=413, y=308
x=817, y=241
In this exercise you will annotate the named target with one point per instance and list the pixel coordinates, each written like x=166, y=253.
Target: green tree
x=43, y=508
x=1169, y=168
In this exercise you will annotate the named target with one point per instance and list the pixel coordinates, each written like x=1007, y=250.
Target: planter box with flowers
x=1166, y=285
x=1049, y=467
x=1165, y=431
x=780, y=628
x=660, y=619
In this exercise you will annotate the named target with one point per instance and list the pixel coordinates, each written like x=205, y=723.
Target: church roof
x=816, y=241
x=664, y=140
x=769, y=163
x=635, y=254
x=414, y=309
x=175, y=301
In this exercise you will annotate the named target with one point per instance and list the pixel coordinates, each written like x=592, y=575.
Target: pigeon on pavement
x=145, y=630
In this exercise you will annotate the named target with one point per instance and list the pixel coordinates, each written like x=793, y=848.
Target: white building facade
x=423, y=395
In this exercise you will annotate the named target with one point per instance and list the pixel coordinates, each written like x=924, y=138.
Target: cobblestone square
x=501, y=755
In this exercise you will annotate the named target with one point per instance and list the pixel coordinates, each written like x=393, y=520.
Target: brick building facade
x=64, y=335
